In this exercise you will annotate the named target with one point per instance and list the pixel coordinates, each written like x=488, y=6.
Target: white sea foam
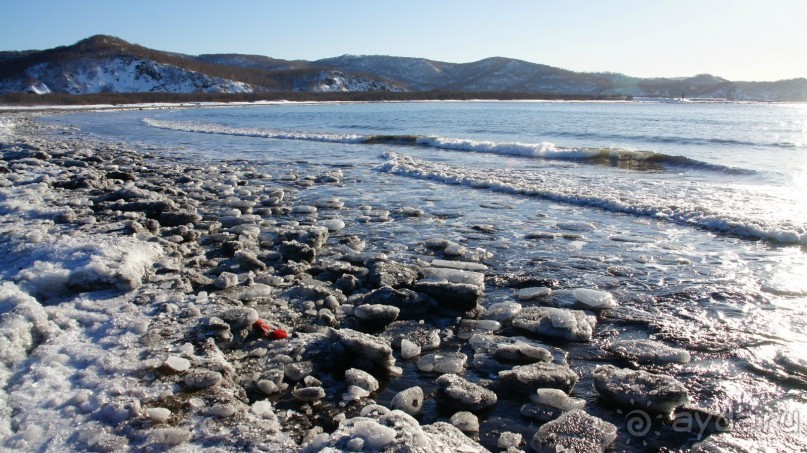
x=713, y=212
x=543, y=150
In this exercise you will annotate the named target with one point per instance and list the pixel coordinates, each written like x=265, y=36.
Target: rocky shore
x=151, y=302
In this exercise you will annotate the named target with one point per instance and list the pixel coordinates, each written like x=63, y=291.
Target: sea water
x=693, y=215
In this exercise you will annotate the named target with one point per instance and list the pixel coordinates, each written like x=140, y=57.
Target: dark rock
x=574, y=431
x=297, y=251
x=178, y=218
x=458, y=296
x=411, y=304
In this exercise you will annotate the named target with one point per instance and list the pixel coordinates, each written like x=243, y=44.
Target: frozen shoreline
x=141, y=293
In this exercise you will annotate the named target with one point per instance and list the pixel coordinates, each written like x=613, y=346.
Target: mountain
x=108, y=64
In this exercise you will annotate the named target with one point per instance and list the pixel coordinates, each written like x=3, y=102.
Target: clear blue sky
x=736, y=39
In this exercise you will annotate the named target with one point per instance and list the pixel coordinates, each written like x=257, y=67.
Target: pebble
x=177, y=364
x=360, y=378
x=410, y=400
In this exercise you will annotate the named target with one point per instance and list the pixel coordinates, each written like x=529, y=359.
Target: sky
x=735, y=39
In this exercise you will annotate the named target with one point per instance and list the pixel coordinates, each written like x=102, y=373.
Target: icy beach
x=154, y=299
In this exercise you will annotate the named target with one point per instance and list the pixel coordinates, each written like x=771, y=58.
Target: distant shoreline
x=105, y=101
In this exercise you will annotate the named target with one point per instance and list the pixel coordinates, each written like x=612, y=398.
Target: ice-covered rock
x=377, y=315
x=529, y=378
x=367, y=346
x=442, y=362
x=574, y=431
x=549, y=404
x=592, y=299
x=423, y=335
x=537, y=292
x=648, y=351
x=571, y=325
x=502, y=311
x=640, y=389
x=389, y=273
x=360, y=378
x=404, y=433
x=239, y=317
x=470, y=327
x=463, y=394
x=199, y=379
x=465, y=422
x=409, y=400
x=226, y=280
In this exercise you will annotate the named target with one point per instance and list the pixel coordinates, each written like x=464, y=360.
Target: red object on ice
x=269, y=331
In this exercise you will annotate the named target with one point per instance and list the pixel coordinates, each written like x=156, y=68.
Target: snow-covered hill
x=335, y=81
x=118, y=75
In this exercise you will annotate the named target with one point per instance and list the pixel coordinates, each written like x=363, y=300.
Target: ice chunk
x=549, y=404
x=442, y=362
x=571, y=325
x=409, y=350
x=593, y=299
x=170, y=436
x=454, y=275
x=409, y=400
x=508, y=440
x=529, y=378
x=464, y=394
x=640, y=389
x=423, y=335
x=375, y=435
x=648, y=351
x=332, y=224
x=158, y=414
x=463, y=265
x=222, y=410
x=465, y=422
x=574, y=431
x=177, y=364
x=226, y=280
x=239, y=317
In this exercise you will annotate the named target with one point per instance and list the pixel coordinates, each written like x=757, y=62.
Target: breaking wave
x=622, y=158
x=582, y=193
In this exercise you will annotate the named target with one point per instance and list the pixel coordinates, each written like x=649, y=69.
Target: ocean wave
x=579, y=193
x=622, y=158
x=676, y=140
